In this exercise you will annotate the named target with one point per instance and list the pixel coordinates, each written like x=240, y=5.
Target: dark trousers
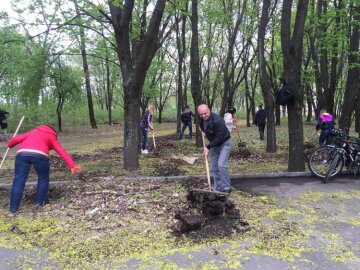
x=261, y=127
x=144, y=132
x=325, y=137
x=184, y=126
x=23, y=164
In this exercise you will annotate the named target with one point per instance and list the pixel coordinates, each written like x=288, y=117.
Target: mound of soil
x=208, y=215
x=242, y=152
x=168, y=170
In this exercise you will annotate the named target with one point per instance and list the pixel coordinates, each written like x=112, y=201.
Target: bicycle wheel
x=335, y=163
x=319, y=161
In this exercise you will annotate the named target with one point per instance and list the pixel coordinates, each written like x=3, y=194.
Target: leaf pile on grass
x=100, y=218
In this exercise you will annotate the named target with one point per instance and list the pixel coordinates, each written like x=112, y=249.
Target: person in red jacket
x=33, y=149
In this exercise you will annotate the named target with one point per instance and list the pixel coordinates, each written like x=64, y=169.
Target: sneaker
x=145, y=151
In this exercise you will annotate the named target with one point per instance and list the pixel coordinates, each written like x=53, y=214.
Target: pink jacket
x=40, y=140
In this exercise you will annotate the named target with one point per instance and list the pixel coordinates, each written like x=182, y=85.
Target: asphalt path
x=292, y=187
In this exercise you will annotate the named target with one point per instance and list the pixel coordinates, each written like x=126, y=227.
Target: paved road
x=333, y=242
x=292, y=187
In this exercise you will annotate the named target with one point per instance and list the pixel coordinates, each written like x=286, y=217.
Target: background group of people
x=216, y=129
x=34, y=146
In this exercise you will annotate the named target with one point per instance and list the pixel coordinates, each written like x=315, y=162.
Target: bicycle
x=319, y=161
x=347, y=150
x=328, y=161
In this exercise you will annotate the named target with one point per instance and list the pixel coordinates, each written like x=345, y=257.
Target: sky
x=5, y=5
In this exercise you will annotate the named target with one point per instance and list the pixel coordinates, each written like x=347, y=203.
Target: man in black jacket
x=260, y=121
x=186, y=121
x=3, y=122
x=219, y=146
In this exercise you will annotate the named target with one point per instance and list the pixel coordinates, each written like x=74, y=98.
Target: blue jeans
x=219, y=163
x=144, y=132
x=184, y=126
x=325, y=137
x=23, y=164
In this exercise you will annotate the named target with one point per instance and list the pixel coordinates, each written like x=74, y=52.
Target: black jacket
x=186, y=116
x=3, y=121
x=216, y=131
x=260, y=117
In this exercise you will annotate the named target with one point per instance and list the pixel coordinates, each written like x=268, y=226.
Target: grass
x=134, y=218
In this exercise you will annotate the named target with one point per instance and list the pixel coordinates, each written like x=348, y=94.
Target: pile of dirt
x=163, y=142
x=169, y=170
x=210, y=215
x=242, y=152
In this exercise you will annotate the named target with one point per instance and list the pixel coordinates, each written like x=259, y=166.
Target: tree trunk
x=108, y=87
x=59, y=109
x=352, y=89
x=86, y=72
x=292, y=45
x=357, y=115
x=265, y=80
x=134, y=72
x=226, y=101
x=195, y=67
x=180, y=42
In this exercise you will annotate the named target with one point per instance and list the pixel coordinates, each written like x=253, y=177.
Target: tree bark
x=180, y=42
x=134, y=72
x=292, y=45
x=86, y=72
x=352, y=90
x=195, y=67
x=265, y=80
x=226, y=101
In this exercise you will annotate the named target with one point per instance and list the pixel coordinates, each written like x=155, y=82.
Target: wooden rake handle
x=206, y=161
x=153, y=136
x=16, y=131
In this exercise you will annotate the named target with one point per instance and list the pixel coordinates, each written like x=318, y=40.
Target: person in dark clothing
x=260, y=121
x=3, y=122
x=219, y=146
x=186, y=119
x=145, y=124
x=326, y=123
x=286, y=94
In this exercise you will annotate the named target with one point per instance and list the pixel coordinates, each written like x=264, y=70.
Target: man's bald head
x=204, y=111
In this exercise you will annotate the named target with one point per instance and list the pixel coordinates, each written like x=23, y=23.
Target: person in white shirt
x=230, y=120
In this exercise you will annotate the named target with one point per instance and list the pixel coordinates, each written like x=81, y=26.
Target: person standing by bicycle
x=326, y=123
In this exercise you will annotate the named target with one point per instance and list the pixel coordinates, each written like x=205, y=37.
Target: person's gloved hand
x=234, y=120
x=152, y=132
x=76, y=169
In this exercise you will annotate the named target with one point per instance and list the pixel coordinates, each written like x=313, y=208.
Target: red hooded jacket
x=40, y=140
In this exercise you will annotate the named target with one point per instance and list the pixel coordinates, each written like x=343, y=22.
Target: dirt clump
x=208, y=215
